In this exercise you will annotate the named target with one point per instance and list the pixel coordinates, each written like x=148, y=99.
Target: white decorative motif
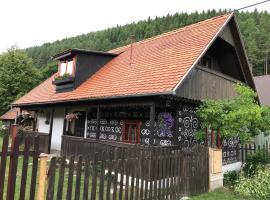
x=121, y=122
x=185, y=108
x=147, y=140
x=117, y=129
x=165, y=142
x=179, y=138
x=92, y=128
x=114, y=122
x=93, y=121
x=112, y=137
x=92, y=135
x=147, y=123
x=103, y=121
x=102, y=128
x=107, y=129
x=145, y=131
x=103, y=136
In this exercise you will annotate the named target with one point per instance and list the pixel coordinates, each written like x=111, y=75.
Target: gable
x=228, y=65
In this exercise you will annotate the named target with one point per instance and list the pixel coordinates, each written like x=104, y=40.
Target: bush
x=255, y=161
x=231, y=178
x=257, y=186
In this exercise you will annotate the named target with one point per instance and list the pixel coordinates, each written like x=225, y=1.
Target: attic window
x=206, y=62
x=66, y=67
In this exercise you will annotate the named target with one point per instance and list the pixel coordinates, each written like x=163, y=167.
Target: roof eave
x=95, y=99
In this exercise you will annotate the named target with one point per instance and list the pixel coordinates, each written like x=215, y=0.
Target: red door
x=131, y=131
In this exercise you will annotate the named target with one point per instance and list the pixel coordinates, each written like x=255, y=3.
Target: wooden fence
x=250, y=149
x=147, y=173
x=17, y=177
x=133, y=173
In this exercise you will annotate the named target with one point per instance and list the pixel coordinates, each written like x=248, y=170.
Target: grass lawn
x=222, y=194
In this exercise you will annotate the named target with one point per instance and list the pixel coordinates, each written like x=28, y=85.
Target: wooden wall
x=203, y=83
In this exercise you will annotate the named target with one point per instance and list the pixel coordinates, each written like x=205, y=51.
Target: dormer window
x=66, y=67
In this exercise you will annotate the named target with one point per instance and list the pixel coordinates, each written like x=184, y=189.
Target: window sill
x=63, y=81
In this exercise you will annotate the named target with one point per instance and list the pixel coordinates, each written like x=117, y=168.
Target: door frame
x=132, y=122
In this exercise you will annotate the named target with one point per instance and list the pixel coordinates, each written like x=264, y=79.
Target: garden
x=241, y=117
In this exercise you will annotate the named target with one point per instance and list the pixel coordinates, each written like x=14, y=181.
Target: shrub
x=255, y=161
x=257, y=186
x=231, y=178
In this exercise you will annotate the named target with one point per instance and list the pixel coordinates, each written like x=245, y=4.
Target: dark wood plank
x=115, y=181
x=13, y=168
x=138, y=170
x=51, y=178
x=70, y=178
x=110, y=165
x=102, y=175
x=132, y=174
x=94, y=178
x=121, y=171
x=61, y=177
x=3, y=164
x=50, y=129
x=78, y=179
x=86, y=177
x=34, y=167
x=126, y=173
x=142, y=171
x=27, y=143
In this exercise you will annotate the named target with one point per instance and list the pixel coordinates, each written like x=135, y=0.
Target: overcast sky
x=34, y=22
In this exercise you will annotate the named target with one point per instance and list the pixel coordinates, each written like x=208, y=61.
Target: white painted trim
x=85, y=125
x=203, y=52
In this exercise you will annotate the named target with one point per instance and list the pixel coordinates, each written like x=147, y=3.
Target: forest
x=254, y=26
x=22, y=69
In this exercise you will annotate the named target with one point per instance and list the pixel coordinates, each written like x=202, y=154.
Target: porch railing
x=85, y=146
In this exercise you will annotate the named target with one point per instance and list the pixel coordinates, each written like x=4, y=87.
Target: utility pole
x=266, y=63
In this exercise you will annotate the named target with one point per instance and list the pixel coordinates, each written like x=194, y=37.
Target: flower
x=72, y=116
x=165, y=124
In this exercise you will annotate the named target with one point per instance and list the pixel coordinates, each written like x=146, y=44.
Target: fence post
x=215, y=169
x=42, y=176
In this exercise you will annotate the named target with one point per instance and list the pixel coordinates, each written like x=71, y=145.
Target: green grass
x=222, y=194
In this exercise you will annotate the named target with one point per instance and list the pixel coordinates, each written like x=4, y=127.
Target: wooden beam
x=98, y=122
x=50, y=130
x=65, y=121
x=35, y=121
x=152, y=123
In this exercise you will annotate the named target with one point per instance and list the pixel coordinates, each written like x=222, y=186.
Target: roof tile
x=158, y=64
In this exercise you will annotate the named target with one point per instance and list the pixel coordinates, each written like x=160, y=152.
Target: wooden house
x=143, y=93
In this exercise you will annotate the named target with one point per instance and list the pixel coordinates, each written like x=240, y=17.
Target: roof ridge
x=170, y=32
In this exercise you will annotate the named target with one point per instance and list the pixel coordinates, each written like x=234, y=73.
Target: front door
x=131, y=131
x=80, y=125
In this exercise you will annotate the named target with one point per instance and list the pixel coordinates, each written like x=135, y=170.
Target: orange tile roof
x=10, y=115
x=158, y=65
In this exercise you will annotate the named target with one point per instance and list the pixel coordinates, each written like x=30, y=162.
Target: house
x=262, y=85
x=15, y=115
x=143, y=93
x=9, y=117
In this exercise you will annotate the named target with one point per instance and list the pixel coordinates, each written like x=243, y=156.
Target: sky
x=34, y=22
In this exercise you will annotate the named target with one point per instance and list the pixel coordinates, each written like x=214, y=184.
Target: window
x=206, y=62
x=131, y=131
x=66, y=67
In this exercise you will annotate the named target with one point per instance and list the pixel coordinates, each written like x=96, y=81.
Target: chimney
x=132, y=39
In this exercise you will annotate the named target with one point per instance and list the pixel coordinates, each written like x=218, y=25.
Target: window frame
x=137, y=123
x=66, y=66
